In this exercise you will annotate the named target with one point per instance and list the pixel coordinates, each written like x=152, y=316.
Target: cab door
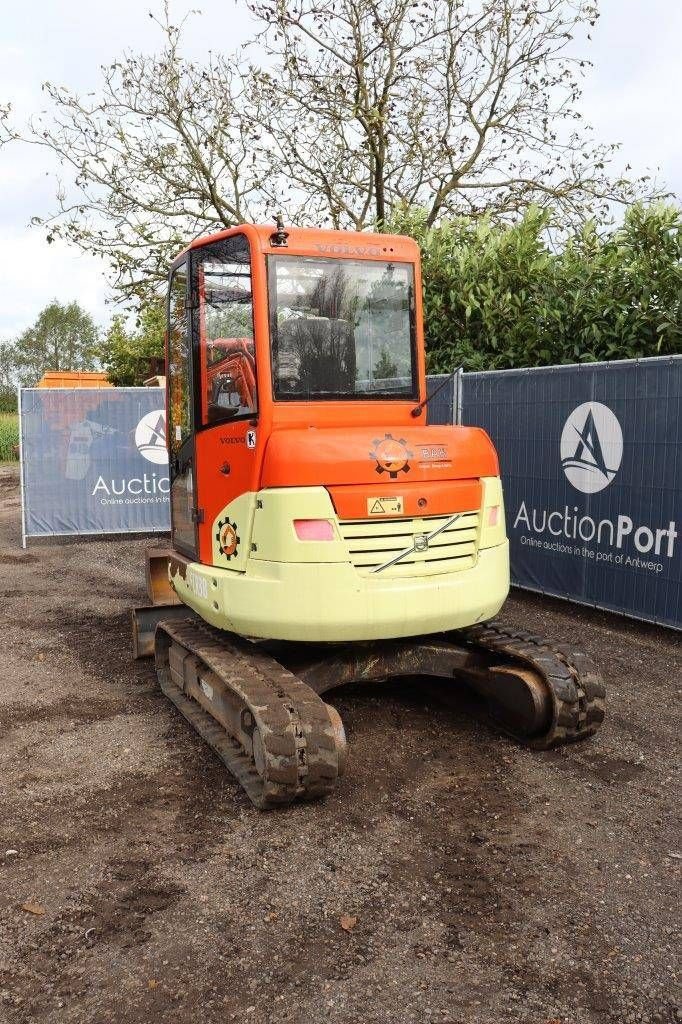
x=226, y=400
x=180, y=404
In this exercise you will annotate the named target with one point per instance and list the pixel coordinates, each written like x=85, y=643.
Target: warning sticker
x=384, y=506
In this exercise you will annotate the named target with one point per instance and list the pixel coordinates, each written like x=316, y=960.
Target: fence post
x=21, y=470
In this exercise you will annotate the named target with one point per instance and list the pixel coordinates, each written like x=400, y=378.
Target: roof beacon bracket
x=280, y=236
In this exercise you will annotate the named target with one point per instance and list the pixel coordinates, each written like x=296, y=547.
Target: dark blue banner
x=93, y=461
x=591, y=460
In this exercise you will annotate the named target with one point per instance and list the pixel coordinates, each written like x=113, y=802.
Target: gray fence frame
x=445, y=407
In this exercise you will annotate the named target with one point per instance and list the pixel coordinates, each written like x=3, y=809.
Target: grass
x=9, y=437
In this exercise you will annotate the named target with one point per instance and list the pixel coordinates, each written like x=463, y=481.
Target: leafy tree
x=499, y=296
x=359, y=108
x=162, y=153
x=620, y=295
x=128, y=356
x=64, y=337
x=8, y=383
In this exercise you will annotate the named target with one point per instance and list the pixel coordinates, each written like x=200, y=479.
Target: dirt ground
x=489, y=883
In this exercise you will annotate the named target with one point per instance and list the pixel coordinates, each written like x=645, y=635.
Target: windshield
x=341, y=328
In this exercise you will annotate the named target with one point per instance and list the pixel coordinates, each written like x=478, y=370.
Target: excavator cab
x=309, y=499
x=313, y=509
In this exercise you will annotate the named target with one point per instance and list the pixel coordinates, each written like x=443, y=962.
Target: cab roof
x=319, y=242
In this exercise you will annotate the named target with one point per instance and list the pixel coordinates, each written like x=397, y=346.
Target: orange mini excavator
x=322, y=533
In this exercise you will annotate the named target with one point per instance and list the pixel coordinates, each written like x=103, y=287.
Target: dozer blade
x=276, y=735
x=146, y=618
x=165, y=603
x=159, y=588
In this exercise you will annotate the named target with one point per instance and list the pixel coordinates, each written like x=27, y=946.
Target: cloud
x=33, y=273
x=631, y=96
x=632, y=93
x=67, y=43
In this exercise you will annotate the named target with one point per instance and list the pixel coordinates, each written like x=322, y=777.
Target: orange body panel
x=340, y=444
x=432, y=499
x=321, y=242
x=359, y=455
x=226, y=470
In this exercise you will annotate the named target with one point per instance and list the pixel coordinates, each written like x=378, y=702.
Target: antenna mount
x=280, y=236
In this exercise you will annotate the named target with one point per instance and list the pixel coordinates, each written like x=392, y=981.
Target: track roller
x=542, y=694
x=276, y=735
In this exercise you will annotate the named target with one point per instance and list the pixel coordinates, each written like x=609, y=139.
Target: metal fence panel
x=93, y=461
x=591, y=461
x=443, y=407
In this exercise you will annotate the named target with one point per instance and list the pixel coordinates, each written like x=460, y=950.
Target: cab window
x=341, y=328
x=226, y=356
x=179, y=407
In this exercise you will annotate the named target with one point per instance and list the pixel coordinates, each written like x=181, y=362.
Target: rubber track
x=576, y=686
x=301, y=760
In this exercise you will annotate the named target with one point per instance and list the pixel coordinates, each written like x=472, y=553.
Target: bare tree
x=160, y=154
x=354, y=109
x=452, y=105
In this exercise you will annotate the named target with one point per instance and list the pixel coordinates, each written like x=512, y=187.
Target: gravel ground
x=478, y=882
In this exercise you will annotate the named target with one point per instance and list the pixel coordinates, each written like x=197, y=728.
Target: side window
x=226, y=357
x=179, y=417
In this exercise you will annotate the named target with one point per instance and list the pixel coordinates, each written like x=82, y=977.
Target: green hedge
x=498, y=296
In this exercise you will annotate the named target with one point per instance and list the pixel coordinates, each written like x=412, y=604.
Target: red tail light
x=314, y=529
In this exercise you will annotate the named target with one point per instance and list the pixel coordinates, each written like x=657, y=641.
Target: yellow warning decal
x=384, y=506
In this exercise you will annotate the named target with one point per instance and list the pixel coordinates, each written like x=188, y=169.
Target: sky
x=631, y=96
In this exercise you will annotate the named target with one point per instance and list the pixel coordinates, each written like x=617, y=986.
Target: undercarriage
x=259, y=705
